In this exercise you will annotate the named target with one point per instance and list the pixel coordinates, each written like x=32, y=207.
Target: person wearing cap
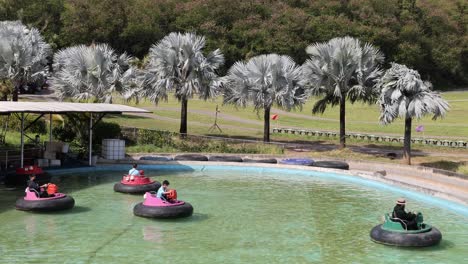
x=408, y=217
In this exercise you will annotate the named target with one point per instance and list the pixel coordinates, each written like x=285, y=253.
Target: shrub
x=103, y=130
x=65, y=133
x=39, y=127
x=153, y=137
x=163, y=141
x=73, y=133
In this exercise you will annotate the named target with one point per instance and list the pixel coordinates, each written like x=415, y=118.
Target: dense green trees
x=428, y=35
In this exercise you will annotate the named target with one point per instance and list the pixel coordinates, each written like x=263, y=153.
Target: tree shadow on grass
x=444, y=165
x=397, y=148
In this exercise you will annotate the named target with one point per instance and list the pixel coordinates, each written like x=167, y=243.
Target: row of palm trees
x=340, y=70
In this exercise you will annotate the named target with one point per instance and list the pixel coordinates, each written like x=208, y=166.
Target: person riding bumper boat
x=407, y=218
x=405, y=229
x=35, y=187
x=132, y=173
x=43, y=198
x=136, y=183
x=163, y=205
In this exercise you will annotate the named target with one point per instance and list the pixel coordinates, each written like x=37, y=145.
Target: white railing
x=374, y=138
x=10, y=157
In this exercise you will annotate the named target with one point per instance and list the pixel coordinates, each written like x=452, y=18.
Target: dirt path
x=45, y=95
x=317, y=146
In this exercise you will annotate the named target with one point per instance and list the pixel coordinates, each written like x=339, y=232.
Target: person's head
x=38, y=137
x=135, y=165
x=165, y=183
x=401, y=202
x=32, y=177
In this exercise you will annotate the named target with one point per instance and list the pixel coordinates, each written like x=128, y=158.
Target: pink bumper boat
x=140, y=184
x=32, y=202
x=153, y=207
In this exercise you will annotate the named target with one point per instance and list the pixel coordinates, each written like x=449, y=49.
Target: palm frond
x=263, y=81
x=343, y=67
x=177, y=64
x=94, y=73
x=404, y=94
x=23, y=54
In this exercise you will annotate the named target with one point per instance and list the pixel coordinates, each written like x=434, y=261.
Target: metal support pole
x=50, y=127
x=90, y=139
x=22, y=140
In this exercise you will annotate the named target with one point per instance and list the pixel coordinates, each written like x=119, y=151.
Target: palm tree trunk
x=343, y=122
x=266, y=126
x=183, y=117
x=407, y=141
x=15, y=93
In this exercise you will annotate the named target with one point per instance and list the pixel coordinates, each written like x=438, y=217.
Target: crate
x=113, y=149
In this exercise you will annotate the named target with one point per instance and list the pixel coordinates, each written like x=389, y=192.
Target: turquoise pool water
x=241, y=216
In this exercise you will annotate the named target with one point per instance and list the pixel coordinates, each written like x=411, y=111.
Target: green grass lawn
x=360, y=118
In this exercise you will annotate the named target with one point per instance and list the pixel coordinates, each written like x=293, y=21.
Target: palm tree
x=265, y=80
x=404, y=94
x=95, y=73
x=23, y=55
x=341, y=69
x=177, y=64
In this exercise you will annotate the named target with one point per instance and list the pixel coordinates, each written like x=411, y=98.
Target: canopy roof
x=60, y=107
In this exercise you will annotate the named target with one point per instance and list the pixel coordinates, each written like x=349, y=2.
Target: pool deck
x=421, y=179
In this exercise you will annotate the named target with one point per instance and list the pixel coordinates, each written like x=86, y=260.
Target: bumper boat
x=21, y=176
x=153, y=207
x=139, y=185
x=394, y=232
x=32, y=202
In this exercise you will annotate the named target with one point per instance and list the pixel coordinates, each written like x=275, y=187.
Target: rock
x=380, y=173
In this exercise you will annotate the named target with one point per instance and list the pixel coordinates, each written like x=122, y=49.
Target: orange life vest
x=52, y=189
x=172, y=194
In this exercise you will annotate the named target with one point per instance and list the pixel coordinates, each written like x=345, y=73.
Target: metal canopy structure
x=63, y=108
x=42, y=108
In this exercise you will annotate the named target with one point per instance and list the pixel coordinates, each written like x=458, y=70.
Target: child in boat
x=162, y=192
x=33, y=186
x=132, y=173
x=408, y=217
